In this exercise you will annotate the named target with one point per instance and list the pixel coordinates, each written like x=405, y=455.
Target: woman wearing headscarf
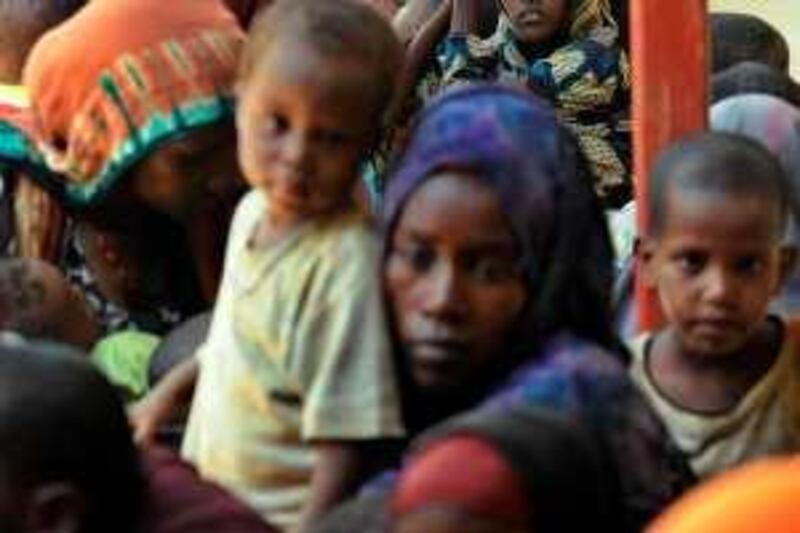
x=131, y=133
x=498, y=272
x=571, y=52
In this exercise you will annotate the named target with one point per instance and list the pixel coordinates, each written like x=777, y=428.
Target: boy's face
x=716, y=266
x=536, y=22
x=304, y=123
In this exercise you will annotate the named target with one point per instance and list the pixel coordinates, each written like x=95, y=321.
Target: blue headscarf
x=512, y=142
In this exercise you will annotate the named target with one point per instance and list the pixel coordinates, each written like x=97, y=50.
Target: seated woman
x=498, y=270
x=133, y=136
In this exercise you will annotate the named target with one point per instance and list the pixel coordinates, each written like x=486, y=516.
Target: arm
x=338, y=471
x=419, y=52
x=158, y=407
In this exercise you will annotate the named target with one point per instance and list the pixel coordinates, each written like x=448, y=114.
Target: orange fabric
x=65, y=67
x=758, y=498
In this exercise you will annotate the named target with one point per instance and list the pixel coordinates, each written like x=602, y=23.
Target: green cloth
x=124, y=358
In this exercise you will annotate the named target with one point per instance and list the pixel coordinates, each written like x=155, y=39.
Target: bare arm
x=160, y=405
x=339, y=468
x=418, y=54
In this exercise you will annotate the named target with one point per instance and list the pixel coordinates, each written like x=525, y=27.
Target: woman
x=498, y=271
x=131, y=133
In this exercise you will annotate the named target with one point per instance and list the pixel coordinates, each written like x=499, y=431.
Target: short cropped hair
x=22, y=22
x=62, y=422
x=737, y=37
x=342, y=29
x=717, y=163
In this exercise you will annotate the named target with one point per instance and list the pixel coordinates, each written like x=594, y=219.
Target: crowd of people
x=367, y=265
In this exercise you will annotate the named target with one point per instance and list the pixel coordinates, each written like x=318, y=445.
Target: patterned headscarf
x=116, y=81
x=513, y=142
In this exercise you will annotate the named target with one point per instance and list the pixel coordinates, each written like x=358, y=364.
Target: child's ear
x=56, y=508
x=788, y=262
x=644, y=249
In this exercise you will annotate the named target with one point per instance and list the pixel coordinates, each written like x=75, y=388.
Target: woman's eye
x=419, y=258
x=493, y=270
x=331, y=138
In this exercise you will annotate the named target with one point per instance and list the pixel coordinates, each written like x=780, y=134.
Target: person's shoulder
x=348, y=239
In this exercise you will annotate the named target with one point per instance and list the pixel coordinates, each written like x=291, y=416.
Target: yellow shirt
x=297, y=350
x=754, y=428
x=14, y=95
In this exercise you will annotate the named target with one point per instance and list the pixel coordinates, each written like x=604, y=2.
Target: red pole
x=670, y=58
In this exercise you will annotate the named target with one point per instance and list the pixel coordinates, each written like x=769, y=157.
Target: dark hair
x=722, y=163
x=60, y=421
x=340, y=29
x=737, y=37
x=749, y=77
x=22, y=22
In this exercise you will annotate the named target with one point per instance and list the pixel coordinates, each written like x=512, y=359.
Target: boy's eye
x=275, y=124
x=749, y=265
x=691, y=263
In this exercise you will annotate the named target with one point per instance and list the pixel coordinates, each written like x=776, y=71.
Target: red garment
x=178, y=501
x=465, y=473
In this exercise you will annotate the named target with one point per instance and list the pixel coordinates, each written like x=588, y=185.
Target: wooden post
x=670, y=59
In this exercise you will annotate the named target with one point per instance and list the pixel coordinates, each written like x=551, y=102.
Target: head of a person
x=22, y=22
x=38, y=302
x=714, y=251
x=142, y=116
x=539, y=23
x=505, y=471
x=737, y=37
x=494, y=240
x=67, y=460
x=314, y=83
x=751, y=77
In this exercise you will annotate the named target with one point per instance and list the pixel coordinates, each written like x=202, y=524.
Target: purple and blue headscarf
x=513, y=142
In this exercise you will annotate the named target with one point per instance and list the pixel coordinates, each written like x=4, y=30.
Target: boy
x=722, y=373
x=296, y=375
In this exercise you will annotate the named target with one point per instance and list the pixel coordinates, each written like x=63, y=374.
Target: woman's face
x=536, y=21
x=454, y=282
x=177, y=177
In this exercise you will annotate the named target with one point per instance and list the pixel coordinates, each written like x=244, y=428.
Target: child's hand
x=148, y=415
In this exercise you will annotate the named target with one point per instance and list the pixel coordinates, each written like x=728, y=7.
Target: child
x=36, y=301
x=567, y=51
x=296, y=371
x=752, y=77
x=722, y=374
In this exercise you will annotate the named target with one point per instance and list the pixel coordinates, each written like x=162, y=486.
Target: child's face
x=536, y=22
x=454, y=282
x=304, y=122
x=716, y=265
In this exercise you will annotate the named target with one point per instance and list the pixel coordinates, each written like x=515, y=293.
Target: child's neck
x=712, y=384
